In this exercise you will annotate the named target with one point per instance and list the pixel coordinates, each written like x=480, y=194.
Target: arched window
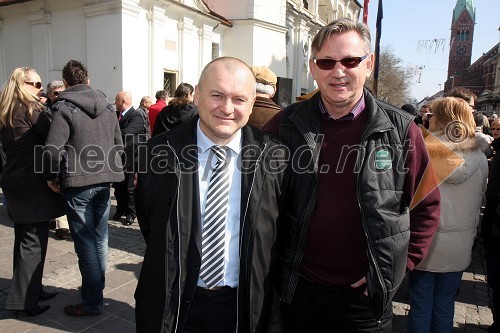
x=325, y=11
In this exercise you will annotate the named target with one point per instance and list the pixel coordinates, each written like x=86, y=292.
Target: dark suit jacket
x=133, y=130
x=167, y=203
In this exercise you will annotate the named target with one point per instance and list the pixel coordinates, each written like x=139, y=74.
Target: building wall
x=129, y=44
x=265, y=10
x=497, y=76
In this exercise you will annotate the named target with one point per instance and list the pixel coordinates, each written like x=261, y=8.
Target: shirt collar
x=204, y=143
x=125, y=111
x=355, y=112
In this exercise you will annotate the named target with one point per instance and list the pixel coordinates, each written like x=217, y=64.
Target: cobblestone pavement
x=61, y=274
x=472, y=313
x=126, y=249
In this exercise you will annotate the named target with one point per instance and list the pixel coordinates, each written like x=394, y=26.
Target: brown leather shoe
x=78, y=311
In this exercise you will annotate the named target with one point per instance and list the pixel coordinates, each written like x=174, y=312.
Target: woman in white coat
x=461, y=170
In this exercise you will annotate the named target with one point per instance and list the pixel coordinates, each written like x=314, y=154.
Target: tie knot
x=220, y=152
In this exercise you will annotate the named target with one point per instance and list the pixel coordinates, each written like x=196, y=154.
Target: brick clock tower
x=462, y=35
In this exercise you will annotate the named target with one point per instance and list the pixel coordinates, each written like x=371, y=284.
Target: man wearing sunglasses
x=353, y=221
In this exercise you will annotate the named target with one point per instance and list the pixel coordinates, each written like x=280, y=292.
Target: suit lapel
x=248, y=166
x=125, y=119
x=188, y=200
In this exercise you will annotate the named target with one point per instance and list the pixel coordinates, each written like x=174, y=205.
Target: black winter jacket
x=490, y=225
x=167, y=203
x=173, y=115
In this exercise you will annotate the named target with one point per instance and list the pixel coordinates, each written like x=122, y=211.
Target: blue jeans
x=432, y=301
x=87, y=209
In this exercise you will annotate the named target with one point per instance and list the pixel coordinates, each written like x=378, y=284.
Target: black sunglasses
x=351, y=62
x=55, y=93
x=37, y=85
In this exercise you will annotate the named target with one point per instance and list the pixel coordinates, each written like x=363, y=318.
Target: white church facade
x=147, y=45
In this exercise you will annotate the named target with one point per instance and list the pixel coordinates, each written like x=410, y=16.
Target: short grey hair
x=338, y=27
x=52, y=85
x=267, y=89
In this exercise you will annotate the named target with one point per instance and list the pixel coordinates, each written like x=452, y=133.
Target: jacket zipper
x=370, y=249
x=179, y=243
x=305, y=217
x=242, y=229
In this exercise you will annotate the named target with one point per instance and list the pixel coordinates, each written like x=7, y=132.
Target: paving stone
x=126, y=251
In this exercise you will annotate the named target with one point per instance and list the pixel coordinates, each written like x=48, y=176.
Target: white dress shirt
x=124, y=111
x=206, y=162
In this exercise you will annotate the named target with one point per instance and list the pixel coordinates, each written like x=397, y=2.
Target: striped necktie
x=213, y=235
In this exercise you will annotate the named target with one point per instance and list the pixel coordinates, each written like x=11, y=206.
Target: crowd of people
x=256, y=219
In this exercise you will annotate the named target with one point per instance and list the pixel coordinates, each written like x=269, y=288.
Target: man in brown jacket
x=264, y=108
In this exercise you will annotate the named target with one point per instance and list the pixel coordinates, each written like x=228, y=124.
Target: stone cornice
x=39, y=18
x=159, y=14
x=131, y=7
x=186, y=25
x=261, y=24
x=103, y=8
x=206, y=32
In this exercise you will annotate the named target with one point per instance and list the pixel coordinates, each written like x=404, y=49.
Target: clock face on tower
x=461, y=49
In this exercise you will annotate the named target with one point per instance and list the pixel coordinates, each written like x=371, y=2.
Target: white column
x=149, y=17
x=297, y=79
x=40, y=42
x=335, y=7
x=157, y=45
x=180, y=47
x=206, y=37
x=189, y=48
x=104, y=60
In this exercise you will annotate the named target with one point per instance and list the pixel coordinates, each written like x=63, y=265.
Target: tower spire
x=464, y=5
x=462, y=33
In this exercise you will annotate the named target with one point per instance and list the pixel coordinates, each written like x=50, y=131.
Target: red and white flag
x=365, y=11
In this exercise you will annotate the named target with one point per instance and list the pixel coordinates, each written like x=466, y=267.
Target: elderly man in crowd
x=53, y=89
x=264, y=108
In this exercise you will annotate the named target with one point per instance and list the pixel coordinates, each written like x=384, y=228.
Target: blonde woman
x=495, y=128
x=30, y=201
x=461, y=168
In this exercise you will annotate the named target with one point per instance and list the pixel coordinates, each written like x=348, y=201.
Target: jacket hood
x=455, y=162
x=180, y=113
x=91, y=101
